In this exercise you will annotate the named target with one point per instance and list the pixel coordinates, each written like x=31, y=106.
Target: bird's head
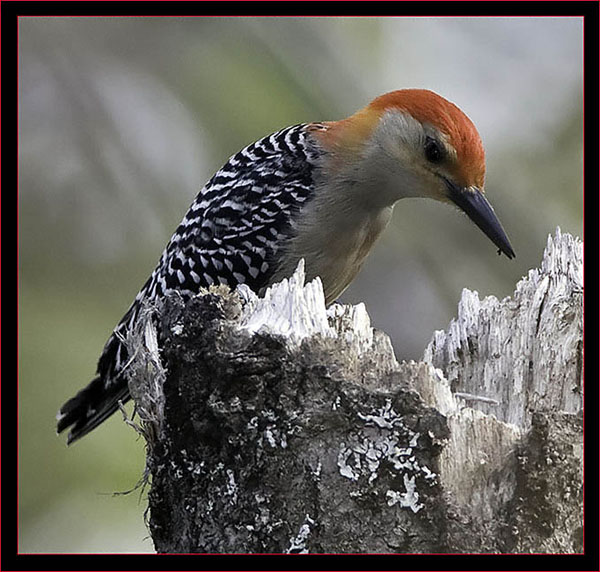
x=415, y=143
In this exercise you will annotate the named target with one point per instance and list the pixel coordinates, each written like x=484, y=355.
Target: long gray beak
x=473, y=202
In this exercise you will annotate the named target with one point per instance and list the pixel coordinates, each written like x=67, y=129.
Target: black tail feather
x=90, y=407
x=100, y=398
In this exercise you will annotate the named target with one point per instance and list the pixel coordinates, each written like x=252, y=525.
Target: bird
x=323, y=192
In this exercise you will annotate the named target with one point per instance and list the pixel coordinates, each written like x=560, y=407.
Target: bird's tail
x=100, y=398
x=90, y=407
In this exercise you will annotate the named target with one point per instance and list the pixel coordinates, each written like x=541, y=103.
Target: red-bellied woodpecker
x=319, y=191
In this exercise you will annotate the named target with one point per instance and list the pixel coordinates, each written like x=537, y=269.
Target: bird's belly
x=336, y=253
x=338, y=271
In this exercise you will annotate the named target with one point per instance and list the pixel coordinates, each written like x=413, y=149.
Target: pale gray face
x=410, y=159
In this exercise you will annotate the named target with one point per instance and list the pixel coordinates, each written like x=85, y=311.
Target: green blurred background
x=121, y=121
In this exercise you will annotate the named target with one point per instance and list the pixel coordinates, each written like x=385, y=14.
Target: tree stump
x=274, y=424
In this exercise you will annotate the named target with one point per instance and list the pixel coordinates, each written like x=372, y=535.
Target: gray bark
x=274, y=424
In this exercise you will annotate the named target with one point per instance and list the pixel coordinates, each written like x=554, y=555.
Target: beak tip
x=474, y=204
x=508, y=252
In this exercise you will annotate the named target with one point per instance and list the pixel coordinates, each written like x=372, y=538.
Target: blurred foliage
x=123, y=119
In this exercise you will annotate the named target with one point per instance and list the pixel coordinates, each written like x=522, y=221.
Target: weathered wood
x=277, y=425
x=524, y=352
x=515, y=362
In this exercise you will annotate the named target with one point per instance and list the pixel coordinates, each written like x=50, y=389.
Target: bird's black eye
x=434, y=151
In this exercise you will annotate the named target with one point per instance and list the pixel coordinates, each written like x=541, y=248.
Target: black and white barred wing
x=234, y=229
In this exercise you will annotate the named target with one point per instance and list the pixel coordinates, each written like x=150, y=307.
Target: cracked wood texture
x=276, y=425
